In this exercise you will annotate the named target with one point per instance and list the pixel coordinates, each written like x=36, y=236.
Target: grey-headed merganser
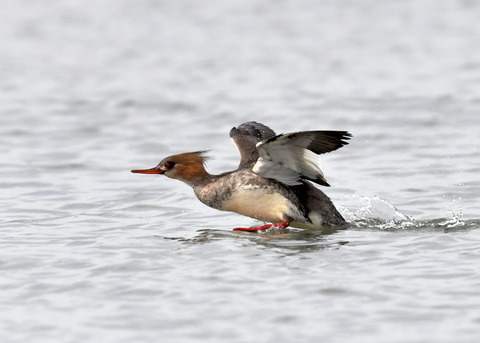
x=271, y=183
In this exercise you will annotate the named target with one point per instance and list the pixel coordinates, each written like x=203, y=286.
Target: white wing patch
x=286, y=159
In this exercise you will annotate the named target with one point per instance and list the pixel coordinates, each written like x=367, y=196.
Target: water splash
x=360, y=209
x=455, y=221
x=376, y=213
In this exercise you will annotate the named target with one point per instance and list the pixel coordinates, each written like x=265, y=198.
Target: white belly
x=260, y=204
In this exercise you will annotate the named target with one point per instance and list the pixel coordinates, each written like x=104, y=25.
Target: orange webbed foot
x=281, y=225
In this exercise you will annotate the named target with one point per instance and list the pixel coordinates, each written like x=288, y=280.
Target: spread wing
x=291, y=157
x=246, y=136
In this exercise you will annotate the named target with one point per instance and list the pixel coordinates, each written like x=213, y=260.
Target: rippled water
x=91, y=252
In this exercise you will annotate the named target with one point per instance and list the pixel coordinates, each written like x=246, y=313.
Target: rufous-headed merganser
x=271, y=183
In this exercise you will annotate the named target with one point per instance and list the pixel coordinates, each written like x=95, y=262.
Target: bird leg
x=281, y=225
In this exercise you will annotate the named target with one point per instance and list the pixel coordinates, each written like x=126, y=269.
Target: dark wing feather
x=327, y=141
x=246, y=136
x=319, y=142
x=291, y=157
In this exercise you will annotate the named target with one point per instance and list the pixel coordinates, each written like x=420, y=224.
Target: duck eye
x=169, y=164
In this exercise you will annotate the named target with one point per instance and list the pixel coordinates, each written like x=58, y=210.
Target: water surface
x=91, y=252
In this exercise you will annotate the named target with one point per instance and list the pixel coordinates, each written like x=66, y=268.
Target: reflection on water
x=89, y=252
x=300, y=241
x=289, y=240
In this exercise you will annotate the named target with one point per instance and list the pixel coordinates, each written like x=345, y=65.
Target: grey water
x=90, y=252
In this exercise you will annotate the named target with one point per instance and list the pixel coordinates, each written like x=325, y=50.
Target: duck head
x=188, y=167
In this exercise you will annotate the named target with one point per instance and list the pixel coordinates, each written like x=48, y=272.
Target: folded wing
x=292, y=157
x=246, y=137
